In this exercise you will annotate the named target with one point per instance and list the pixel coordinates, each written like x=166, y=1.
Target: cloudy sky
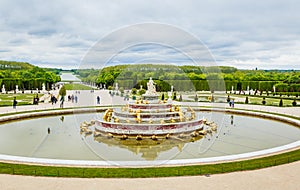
x=244, y=34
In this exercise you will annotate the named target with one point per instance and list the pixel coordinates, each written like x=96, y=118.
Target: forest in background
x=185, y=78
x=26, y=76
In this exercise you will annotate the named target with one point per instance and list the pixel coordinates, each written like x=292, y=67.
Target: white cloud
x=244, y=34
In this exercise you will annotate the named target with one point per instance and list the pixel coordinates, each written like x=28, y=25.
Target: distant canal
x=68, y=76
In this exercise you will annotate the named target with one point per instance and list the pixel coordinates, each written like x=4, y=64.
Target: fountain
x=149, y=118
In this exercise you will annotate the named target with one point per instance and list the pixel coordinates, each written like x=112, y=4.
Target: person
x=232, y=104
x=98, y=99
x=52, y=99
x=36, y=100
x=62, y=99
x=15, y=103
x=228, y=99
x=76, y=99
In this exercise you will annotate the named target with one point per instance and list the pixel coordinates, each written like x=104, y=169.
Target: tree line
x=26, y=76
x=185, y=78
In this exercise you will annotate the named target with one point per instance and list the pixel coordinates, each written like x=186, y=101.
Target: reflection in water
x=30, y=138
x=148, y=148
x=231, y=119
x=62, y=118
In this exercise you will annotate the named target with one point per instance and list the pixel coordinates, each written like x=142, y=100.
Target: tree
x=62, y=91
x=142, y=91
x=133, y=91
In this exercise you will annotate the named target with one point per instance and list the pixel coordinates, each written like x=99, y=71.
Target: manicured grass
x=77, y=87
x=270, y=100
x=22, y=99
x=34, y=170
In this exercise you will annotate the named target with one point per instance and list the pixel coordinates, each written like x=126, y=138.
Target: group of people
x=53, y=99
x=230, y=102
x=73, y=98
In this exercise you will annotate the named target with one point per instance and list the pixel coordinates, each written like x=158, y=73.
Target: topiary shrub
x=142, y=91
x=121, y=90
x=294, y=103
x=133, y=91
x=247, y=100
x=280, y=103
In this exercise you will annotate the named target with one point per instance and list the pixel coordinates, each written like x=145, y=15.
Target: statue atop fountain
x=149, y=118
x=151, y=90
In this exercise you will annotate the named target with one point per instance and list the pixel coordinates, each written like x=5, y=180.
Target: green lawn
x=77, y=87
x=22, y=99
x=207, y=169
x=270, y=100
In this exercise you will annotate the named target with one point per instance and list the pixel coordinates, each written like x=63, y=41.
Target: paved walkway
x=279, y=177
x=88, y=98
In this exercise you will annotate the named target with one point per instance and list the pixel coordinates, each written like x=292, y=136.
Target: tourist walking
x=15, y=103
x=98, y=99
x=62, y=99
x=53, y=99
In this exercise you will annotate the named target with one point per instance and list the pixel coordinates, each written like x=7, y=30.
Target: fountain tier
x=149, y=116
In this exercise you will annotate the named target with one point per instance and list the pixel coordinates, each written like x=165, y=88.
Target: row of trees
x=185, y=78
x=26, y=76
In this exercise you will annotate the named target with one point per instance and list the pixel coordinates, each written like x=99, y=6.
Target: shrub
x=121, y=90
x=174, y=96
x=133, y=91
x=294, y=103
x=247, y=100
x=280, y=103
x=142, y=91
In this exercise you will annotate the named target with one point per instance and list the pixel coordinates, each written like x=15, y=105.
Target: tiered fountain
x=149, y=118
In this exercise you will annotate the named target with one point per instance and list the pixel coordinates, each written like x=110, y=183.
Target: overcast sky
x=244, y=34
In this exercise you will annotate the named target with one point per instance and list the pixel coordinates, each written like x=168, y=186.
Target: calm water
x=69, y=77
x=236, y=134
